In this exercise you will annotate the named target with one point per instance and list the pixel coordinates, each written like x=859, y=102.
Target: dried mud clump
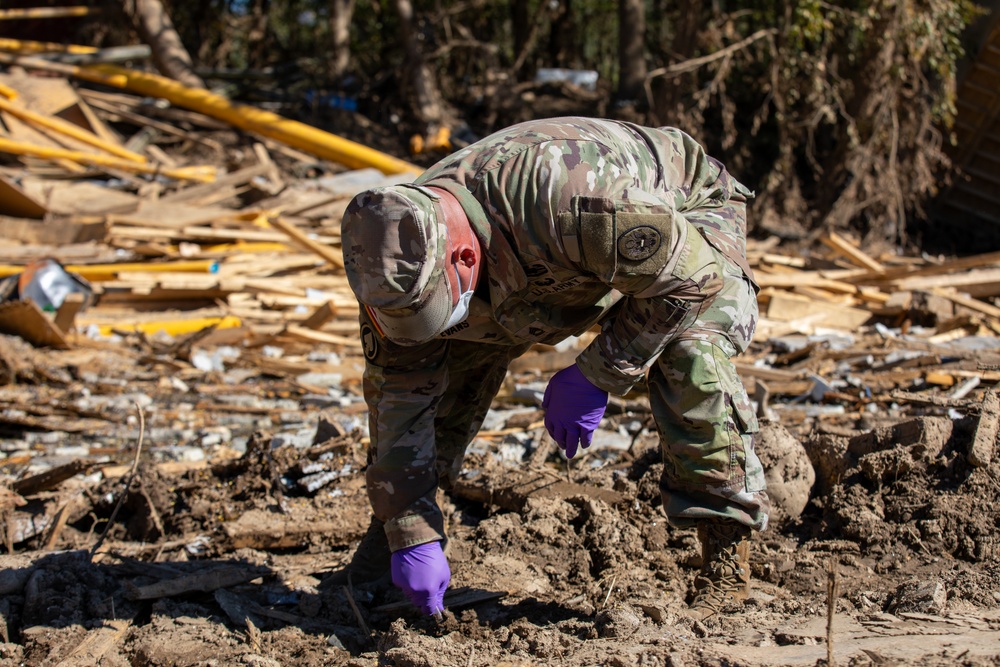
x=911, y=486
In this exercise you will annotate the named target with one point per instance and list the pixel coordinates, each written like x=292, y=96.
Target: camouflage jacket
x=576, y=217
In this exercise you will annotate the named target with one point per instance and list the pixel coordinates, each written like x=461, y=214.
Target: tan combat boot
x=371, y=560
x=725, y=568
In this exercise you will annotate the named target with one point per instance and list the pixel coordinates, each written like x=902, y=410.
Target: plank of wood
x=967, y=302
x=14, y=201
x=79, y=198
x=203, y=582
x=195, y=193
x=170, y=215
x=513, y=491
x=332, y=255
x=50, y=479
x=804, y=278
x=264, y=530
x=116, y=112
x=785, y=307
x=852, y=253
x=26, y=320
x=57, y=231
x=313, y=336
x=974, y=277
x=454, y=598
x=96, y=643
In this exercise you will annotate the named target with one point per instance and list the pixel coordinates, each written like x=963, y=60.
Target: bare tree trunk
x=156, y=29
x=521, y=28
x=426, y=100
x=631, y=49
x=564, y=43
x=341, y=12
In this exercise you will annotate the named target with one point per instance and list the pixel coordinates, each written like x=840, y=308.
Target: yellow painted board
x=205, y=174
x=172, y=327
x=99, y=272
x=31, y=46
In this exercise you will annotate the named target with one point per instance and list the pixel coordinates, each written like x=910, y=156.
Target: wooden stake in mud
x=349, y=593
x=831, y=607
x=125, y=489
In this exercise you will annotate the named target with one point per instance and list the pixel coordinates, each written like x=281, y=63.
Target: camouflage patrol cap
x=395, y=241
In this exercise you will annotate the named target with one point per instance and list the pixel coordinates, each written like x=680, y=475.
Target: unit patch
x=369, y=341
x=639, y=243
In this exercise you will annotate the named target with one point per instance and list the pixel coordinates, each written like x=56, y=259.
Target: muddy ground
x=225, y=560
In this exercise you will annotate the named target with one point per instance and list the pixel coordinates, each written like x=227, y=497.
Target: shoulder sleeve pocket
x=618, y=237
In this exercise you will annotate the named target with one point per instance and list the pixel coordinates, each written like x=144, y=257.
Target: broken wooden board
x=96, y=643
x=785, y=307
x=78, y=199
x=266, y=530
x=55, y=231
x=26, y=320
x=517, y=488
x=17, y=203
x=203, y=582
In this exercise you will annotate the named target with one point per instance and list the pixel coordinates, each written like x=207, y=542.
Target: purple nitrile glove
x=422, y=573
x=573, y=409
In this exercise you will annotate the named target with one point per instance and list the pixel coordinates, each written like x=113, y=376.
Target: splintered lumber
x=784, y=307
x=454, y=598
x=14, y=201
x=173, y=327
x=852, y=253
x=50, y=479
x=791, y=279
x=514, y=490
x=61, y=126
x=202, y=173
x=970, y=279
x=967, y=302
x=46, y=12
x=26, y=320
x=333, y=256
x=298, y=135
x=196, y=193
x=984, y=441
x=30, y=46
x=103, y=272
x=313, y=336
x=265, y=530
x=203, y=582
x=96, y=643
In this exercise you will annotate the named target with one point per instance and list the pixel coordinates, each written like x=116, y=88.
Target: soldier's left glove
x=573, y=409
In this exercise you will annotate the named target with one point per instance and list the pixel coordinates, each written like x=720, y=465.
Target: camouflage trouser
x=704, y=416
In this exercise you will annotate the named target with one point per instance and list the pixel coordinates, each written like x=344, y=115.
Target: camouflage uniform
x=583, y=222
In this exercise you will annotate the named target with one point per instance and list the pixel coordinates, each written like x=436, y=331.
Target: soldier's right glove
x=573, y=409
x=422, y=573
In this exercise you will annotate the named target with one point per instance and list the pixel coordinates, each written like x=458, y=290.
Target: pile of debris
x=181, y=381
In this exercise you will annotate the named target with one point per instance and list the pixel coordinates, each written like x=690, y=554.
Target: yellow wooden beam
x=204, y=174
x=70, y=130
x=172, y=327
x=46, y=12
x=293, y=133
x=31, y=46
x=100, y=272
x=290, y=132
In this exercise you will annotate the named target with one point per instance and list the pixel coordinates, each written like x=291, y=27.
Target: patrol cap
x=395, y=243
